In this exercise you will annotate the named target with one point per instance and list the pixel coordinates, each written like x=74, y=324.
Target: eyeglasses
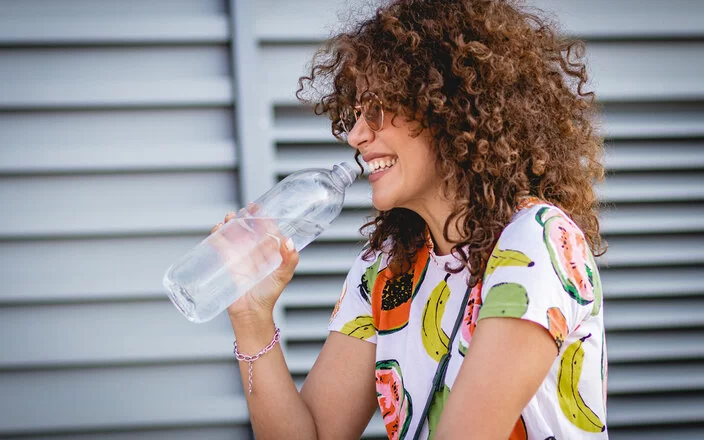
x=370, y=107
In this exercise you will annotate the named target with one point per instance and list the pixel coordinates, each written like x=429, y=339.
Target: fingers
x=216, y=227
x=289, y=260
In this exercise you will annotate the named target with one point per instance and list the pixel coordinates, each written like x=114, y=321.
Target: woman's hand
x=265, y=247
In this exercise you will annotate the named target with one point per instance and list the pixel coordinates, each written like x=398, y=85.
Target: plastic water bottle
x=229, y=262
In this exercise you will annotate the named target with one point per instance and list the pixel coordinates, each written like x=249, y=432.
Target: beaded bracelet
x=250, y=359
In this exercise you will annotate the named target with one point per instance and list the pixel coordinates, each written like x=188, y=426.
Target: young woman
x=475, y=310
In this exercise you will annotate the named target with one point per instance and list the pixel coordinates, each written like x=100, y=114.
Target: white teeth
x=381, y=164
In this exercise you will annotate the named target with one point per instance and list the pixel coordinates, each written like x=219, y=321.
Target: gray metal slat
x=206, y=92
x=110, y=192
x=637, y=283
x=660, y=120
x=312, y=291
x=656, y=250
x=115, y=128
x=660, y=187
x=654, y=314
x=654, y=155
x=99, y=334
x=655, y=378
x=654, y=219
x=654, y=346
x=105, y=30
x=657, y=433
x=300, y=357
x=92, y=8
x=77, y=159
x=654, y=410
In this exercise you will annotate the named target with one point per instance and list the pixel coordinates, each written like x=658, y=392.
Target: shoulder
x=539, y=225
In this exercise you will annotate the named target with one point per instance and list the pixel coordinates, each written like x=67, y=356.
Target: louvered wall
x=117, y=153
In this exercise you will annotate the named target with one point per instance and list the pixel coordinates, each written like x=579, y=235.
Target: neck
x=435, y=217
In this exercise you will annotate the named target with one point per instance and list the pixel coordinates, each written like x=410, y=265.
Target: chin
x=382, y=205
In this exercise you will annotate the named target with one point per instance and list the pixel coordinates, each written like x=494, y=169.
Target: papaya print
x=557, y=326
x=505, y=300
x=368, y=278
x=506, y=257
x=569, y=255
x=469, y=321
x=362, y=327
x=391, y=296
x=339, y=301
x=572, y=404
x=394, y=400
x=519, y=430
x=435, y=340
x=435, y=409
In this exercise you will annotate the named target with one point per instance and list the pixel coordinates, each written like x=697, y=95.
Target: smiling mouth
x=378, y=165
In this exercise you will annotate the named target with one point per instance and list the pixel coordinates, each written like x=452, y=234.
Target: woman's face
x=403, y=172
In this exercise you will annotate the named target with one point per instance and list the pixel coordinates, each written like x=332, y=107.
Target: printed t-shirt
x=541, y=270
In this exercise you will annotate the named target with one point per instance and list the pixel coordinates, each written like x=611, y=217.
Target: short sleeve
x=542, y=270
x=353, y=312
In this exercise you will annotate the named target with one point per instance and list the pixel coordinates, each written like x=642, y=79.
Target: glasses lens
x=373, y=111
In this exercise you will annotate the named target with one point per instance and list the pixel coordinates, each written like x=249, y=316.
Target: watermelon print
x=394, y=400
x=469, y=322
x=569, y=254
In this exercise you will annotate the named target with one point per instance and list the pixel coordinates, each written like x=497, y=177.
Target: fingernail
x=289, y=244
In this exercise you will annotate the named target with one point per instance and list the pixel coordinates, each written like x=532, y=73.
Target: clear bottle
x=229, y=262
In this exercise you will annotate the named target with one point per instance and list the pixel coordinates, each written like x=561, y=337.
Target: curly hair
x=502, y=95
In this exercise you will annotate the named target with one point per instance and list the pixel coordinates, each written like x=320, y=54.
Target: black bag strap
x=439, y=378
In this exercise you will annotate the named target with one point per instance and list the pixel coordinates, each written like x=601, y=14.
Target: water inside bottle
x=243, y=252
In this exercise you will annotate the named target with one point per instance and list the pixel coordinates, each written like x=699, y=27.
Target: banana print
x=362, y=327
x=435, y=340
x=506, y=257
x=571, y=401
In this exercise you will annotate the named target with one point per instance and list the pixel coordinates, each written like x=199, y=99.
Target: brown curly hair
x=503, y=97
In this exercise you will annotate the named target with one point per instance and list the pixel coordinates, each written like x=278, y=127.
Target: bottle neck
x=344, y=174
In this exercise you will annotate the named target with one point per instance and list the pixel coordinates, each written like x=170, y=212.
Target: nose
x=360, y=135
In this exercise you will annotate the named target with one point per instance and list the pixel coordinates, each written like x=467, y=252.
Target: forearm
x=275, y=405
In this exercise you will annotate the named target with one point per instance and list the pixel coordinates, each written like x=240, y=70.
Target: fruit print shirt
x=541, y=270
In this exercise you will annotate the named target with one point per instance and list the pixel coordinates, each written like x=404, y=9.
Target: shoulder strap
x=439, y=378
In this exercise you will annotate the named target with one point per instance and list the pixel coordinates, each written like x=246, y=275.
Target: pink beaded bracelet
x=250, y=359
